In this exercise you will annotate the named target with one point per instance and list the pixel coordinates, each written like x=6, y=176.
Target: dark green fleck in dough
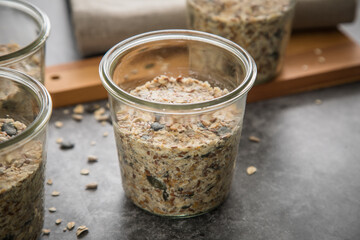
x=185, y=207
x=275, y=55
x=9, y=129
x=157, y=126
x=156, y=183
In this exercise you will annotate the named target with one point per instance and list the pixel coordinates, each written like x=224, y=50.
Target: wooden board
x=79, y=81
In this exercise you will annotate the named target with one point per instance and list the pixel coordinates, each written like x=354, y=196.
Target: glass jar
x=177, y=159
x=23, y=31
x=262, y=27
x=25, y=109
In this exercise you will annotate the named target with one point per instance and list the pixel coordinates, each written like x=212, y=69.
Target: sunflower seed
x=91, y=186
x=59, y=124
x=49, y=182
x=46, y=231
x=77, y=117
x=92, y=158
x=251, y=170
x=81, y=231
x=59, y=140
x=254, y=139
x=55, y=193
x=78, y=109
x=52, y=209
x=84, y=172
x=58, y=221
x=70, y=225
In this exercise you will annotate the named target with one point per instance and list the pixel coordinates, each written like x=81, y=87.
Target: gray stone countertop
x=307, y=185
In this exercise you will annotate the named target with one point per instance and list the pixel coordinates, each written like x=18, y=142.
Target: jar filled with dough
x=177, y=117
x=24, y=30
x=262, y=27
x=25, y=109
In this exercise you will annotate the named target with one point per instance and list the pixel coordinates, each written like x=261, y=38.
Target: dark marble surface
x=307, y=185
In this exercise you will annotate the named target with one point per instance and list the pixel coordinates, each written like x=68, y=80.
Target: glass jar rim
x=45, y=107
x=40, y=17
x=108, y=64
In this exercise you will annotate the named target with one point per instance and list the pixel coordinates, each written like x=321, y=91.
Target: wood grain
x=79, y=81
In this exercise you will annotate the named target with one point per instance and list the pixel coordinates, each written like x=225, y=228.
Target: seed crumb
x=64, y=230
x=65, y=145
x=93, y=143
x=59, y=124
x=251, y=170
x=46, y=231
x=305, y=67
x=254, y=139
x=49, y=181
x=92, y=158
x=105, y=134
x=103, y=123
x=91, y=186
x=55, y=193
x=58, y=221
x=66, y=111
x=77, y=117
x=321, y=59
x=70, y=225
x=84, y=172
x=318, y=51
x=52, y=209
x=79, y=109
x=82, y=231
x=59, y=140
x=318, y=101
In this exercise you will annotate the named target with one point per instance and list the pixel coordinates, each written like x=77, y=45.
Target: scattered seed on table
x=321, y=59
x=46, y=231
x=49, y=181
x=66, y=145
x=92, y=158
x=103, y=123
x=99, y=111
x=304, y=67
x=64, y=230
x=92, y=108
x=78, y=109
x=66, y=111
x=93, y=143
x=52, y=209
x=55, y=193
x=70, y=225
x=251, y=170
x=318, y=102
x=105, y=134
x=77, y=117
x=91, y=186
x=317, y=51
x=102, y=118
x=59, y=140
x=84, y=172
x=81, y=231
x=58, y=221
x=59, y=124
x=254, y=139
